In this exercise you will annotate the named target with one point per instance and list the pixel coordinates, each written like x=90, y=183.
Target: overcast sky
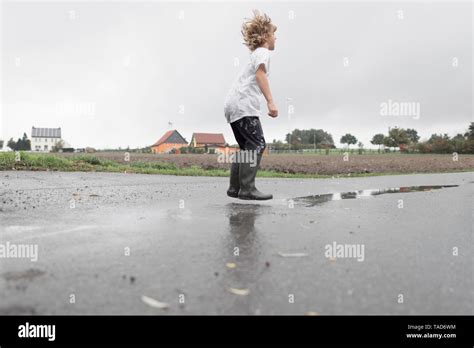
x=116, y=74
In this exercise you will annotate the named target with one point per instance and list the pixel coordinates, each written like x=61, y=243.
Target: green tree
x=470, y=132
x=23, y=144
x=12, y=144
x=26, y=142
x=348, y=139
x=389, y=143
x=308, y=138
x=377, y=139
x=396, y=137
x=469, y=145
x=440, y=143
x=19, y=144
x=412, y=135
x=459, y=143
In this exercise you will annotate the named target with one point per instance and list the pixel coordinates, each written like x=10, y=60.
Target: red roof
x=209, y=138
x=165, y=137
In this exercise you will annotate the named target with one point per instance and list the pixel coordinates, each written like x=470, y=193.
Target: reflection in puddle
x=245, y=246
x=319, y=199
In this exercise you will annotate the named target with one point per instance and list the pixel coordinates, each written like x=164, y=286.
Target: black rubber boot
x=247, y=174
x=234, y=186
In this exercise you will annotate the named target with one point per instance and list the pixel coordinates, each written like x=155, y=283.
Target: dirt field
x=317, y=164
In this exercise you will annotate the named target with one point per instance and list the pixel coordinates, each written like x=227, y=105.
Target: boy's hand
x=272, y=109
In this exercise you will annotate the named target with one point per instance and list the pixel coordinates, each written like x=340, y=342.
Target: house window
x=46, y=147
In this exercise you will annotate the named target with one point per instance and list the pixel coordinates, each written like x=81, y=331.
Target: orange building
x=169, y=141
x=208, y=140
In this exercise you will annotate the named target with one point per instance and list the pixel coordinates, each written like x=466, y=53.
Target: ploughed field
x=312, y=163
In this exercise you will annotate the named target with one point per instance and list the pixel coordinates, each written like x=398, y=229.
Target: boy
x=242, y=106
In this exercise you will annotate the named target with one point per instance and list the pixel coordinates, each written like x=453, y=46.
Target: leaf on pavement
x=241, y=292
x=154, y=303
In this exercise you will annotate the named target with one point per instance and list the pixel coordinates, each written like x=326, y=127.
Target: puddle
x=311, y=201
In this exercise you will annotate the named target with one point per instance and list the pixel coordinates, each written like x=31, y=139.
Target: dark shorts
x=249, y=133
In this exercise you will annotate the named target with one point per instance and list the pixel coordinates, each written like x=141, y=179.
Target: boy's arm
x=262, y=82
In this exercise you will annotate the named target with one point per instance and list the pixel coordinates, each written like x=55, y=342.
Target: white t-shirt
x=244, y=96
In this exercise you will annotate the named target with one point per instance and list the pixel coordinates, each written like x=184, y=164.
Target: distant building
x=216, y=142
x=207, y=141
x=43, y=139
x=169, y=141
x=4, y=147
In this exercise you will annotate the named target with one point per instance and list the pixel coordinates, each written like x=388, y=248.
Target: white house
x=43, y=139
x=4, y=148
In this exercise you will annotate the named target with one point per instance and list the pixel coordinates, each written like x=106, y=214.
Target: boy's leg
x=234, y=185
x=249, y=133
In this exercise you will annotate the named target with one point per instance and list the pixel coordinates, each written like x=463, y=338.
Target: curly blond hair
x=255, y=30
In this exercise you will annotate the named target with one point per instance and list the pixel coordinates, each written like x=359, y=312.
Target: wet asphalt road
x=181, y=234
